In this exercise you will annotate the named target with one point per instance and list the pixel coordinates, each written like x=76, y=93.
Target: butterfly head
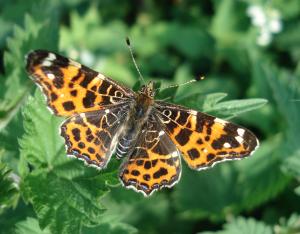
x=148, y=90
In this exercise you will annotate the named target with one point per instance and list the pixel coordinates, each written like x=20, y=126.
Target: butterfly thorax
x=137, y=117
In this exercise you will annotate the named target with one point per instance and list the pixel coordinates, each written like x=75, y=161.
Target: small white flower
x=275, y=26
x=264, y=38
x=268, y=22
x=258, y=17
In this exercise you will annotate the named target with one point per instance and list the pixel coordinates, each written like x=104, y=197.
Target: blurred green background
x=249, y=53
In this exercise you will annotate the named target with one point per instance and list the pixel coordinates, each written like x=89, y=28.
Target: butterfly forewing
x=70, y=87
x=203, y=139
x=154, y=162
x=92, y=136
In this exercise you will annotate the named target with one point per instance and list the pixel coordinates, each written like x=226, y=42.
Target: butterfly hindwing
x=153, y=163
x=203, y=139
x=70, y=87
x=91, y=136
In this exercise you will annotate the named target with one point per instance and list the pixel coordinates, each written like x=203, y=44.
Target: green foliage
x=43, y=191
x=8, y=189
x=288, y=226
x=245, y=226
x=30, y=225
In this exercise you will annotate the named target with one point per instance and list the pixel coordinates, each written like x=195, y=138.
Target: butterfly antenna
x=133, y=59
x=185, y=83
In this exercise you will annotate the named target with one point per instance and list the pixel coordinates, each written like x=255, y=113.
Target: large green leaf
x=236, y=107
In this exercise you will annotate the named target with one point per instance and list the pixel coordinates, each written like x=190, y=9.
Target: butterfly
x=106, y=118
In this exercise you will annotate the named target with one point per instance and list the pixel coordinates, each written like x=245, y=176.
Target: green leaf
x=9, y=193
x=211, y=100
x=30, y=226
x=236, y=107
x=285, y=91
x=245, y=226
x=64, y=193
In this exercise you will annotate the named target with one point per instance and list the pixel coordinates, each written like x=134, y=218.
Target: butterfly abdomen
x=138, y=116
x=124, y=146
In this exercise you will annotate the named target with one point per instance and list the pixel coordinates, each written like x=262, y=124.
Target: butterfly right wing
x=203, y=139
x=70, y=87
x=92, y=136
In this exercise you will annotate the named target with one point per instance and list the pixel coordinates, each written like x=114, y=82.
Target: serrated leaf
x=30, y=226
x=41, y=152
x=245, y=226
x=9, y=193
x=64, y=193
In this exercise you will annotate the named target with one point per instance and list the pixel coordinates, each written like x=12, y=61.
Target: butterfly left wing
x=203, y=139
x=92, y=136
x=154, y=162
x=70, y=87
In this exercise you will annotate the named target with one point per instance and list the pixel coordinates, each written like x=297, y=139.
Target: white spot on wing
x=241, y=132
x=221, y=121
x=50, y=76
x=51, y=57
x=239, y=139
x=161, y=133
x=226, y=145
x=193, y=112
x=46, y=63
x=75, y=64
x=107, y=111
x=100, y=76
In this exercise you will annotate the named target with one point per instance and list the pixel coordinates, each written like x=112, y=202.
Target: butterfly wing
x=70, y=87
x=203, y=139
x=92, y=137
x=154, y=162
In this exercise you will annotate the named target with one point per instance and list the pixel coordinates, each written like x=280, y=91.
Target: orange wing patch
x=70, y=87
x=90, y=136
x=153, y=164
x=205, y=140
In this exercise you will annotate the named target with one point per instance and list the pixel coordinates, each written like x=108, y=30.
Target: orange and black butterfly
x=105, y=117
